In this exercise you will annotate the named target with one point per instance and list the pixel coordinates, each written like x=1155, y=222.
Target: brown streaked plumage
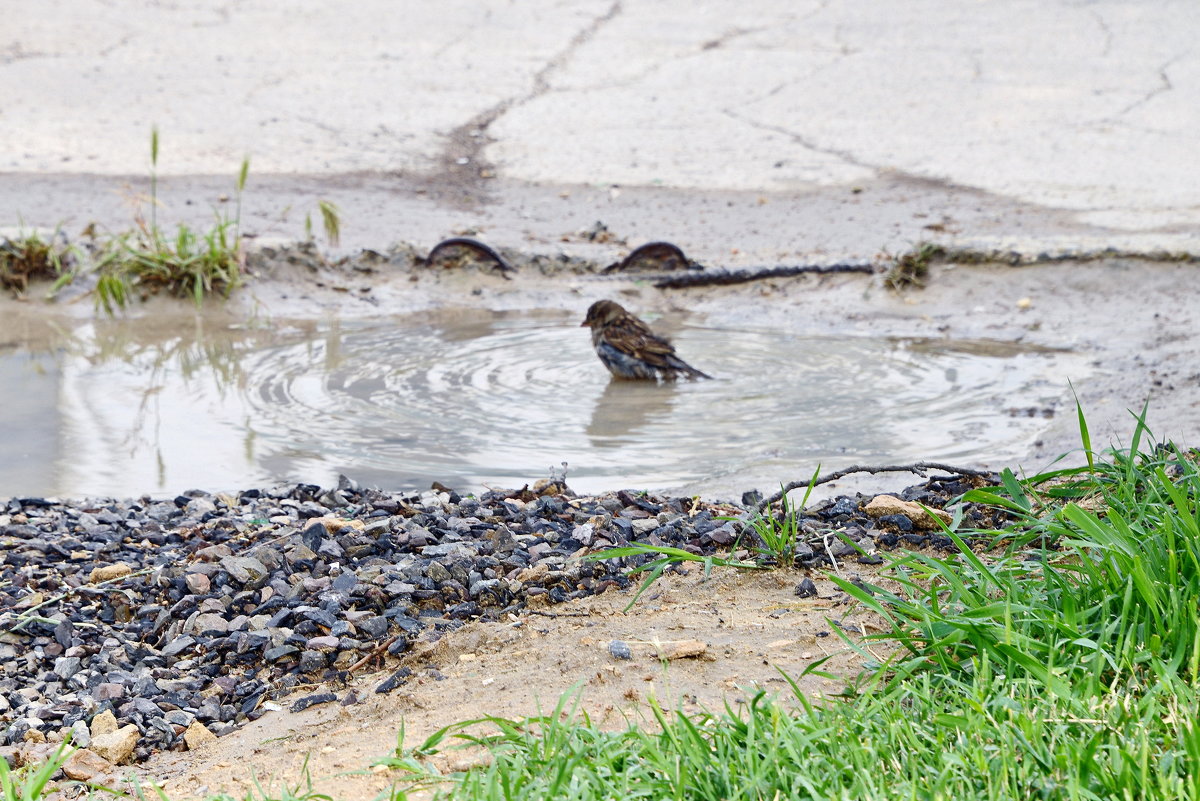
x=629, y=349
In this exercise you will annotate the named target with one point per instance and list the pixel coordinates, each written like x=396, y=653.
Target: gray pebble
x=620, y=649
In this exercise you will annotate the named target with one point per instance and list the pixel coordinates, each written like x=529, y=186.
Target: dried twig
x=919, y=468
x=832, y=558
x=27, y=615
x=376, y=651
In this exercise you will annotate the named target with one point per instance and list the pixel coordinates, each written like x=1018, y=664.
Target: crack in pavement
x=461, y=172
x=224, y=17
x=851, y=159
x=1163, y=87
x=1096, y=16
x=729, y=35
x=15, y=52
x=653, y=67
x=265, y=84
x=803, y=141
x=117, y=45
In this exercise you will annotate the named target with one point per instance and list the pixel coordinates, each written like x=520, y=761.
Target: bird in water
x=629, y=349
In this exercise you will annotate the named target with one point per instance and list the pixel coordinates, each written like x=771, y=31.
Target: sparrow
x=629, y=349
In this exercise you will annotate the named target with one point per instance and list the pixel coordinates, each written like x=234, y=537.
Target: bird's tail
x=685, y=368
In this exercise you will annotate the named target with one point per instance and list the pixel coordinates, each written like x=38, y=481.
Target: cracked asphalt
x=745, y=132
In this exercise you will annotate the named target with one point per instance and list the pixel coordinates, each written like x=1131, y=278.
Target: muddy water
x=474, y=398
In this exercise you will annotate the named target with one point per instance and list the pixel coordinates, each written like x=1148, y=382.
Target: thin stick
x=919, y=468
x=376, y=651
x=832, y=558
x=27, y=616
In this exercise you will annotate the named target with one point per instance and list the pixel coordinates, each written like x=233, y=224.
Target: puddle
x=472, y=398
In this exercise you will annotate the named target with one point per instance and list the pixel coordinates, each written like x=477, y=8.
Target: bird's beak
x=584, y=324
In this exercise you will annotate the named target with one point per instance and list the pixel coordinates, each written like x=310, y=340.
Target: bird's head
x=602, y=313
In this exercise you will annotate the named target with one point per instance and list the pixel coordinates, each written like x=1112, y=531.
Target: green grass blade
x=1084, y=436
x=650, y=579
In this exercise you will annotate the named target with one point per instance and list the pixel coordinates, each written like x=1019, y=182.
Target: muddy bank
x=889, y=213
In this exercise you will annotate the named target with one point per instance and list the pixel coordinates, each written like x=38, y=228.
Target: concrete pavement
x=1061, y=122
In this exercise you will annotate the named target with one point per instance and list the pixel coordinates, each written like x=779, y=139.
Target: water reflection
x=117, y=407
x=626, y=407
x=29, y=445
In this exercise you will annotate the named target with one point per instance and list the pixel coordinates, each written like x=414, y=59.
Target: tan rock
x=103, y=723
x=29, y=601
x=197, y=735
x=682, y=649
x=198, y=583
x=36, y=753
x=109, y=572
x=85, y=765
x=534, y=573
x=335, y=524
x=208, y=621
x=117, y=746
x=882, y=505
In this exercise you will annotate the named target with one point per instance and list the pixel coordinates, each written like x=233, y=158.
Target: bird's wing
x=640, y=341
x=659, y=352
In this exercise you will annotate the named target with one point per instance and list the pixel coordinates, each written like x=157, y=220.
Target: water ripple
x=474, y=398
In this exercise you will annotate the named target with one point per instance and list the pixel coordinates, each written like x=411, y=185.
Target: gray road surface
x=867, y=124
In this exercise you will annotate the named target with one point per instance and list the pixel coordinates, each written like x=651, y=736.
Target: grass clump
x=1107, y=598
x=911, y=268
x=779, y=536
x=29, y=257
x=983, y=737
x=188, y=263
x=143, y=261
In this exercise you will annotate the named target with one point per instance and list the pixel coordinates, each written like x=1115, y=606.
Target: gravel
x=205, y=608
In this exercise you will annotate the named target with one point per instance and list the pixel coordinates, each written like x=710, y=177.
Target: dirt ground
x=751, y=625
